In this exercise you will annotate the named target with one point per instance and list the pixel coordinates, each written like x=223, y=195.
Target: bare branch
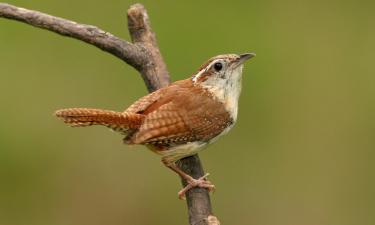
x=143, y=55
x=154, y=72
x=130, y=53
x=198, y=199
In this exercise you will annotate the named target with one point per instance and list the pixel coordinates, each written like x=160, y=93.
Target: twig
x=144, y=55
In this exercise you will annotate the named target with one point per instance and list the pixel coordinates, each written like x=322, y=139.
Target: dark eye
x=218, y=66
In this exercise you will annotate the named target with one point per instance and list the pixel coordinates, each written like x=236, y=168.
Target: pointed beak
x=243, y=58
x=246, y=56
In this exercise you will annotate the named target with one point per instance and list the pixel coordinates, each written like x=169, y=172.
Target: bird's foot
x=200, y=182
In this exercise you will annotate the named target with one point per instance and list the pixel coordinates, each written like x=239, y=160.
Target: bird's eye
x=218, y=66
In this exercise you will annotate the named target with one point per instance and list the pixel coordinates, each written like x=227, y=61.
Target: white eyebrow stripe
x=195, y=78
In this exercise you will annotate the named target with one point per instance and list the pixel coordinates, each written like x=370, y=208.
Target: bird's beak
x=243, y=58
x=246, y=56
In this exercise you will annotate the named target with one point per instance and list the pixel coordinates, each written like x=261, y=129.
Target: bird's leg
x=192, y=183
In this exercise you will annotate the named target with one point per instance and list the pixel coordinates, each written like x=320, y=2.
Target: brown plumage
x=178, y=120
x=165, y=118
x=81, y=117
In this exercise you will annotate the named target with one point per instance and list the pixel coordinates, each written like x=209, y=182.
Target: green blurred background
x=302, y=152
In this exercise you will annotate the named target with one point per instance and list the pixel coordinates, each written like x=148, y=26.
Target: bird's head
x=221, y=76
x=221, y=68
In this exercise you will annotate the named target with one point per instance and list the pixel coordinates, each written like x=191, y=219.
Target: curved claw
x=200, y=182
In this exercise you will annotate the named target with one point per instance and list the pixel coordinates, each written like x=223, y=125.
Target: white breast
x=227, y=90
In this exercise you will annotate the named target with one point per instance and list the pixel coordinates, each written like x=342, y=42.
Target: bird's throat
x=226, y=91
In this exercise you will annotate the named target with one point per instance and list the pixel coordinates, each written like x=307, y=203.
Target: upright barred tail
x=82, y=117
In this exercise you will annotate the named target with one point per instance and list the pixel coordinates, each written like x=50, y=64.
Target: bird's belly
x=175, y=153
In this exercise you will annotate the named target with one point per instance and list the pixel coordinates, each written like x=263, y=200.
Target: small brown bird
x=178, y=120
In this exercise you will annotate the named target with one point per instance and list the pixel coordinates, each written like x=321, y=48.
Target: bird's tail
x=82, y=117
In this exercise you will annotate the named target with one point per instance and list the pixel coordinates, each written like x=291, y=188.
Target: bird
x=178, y=120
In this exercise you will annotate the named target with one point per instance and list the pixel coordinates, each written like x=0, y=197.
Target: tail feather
x=118, y=121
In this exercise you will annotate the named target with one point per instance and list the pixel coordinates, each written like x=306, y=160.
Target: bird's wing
x=182, y=114
x=143, y=103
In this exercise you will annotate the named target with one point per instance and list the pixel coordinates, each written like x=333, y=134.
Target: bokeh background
x=301, y=153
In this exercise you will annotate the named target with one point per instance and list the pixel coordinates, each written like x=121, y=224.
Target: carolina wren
x=178, y=120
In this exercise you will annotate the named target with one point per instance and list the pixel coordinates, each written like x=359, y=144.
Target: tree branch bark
x=144, y=55
x=154, y=72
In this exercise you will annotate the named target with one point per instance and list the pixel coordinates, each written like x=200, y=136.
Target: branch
x=144, y=55
x=198, y=199
x=154, y=72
